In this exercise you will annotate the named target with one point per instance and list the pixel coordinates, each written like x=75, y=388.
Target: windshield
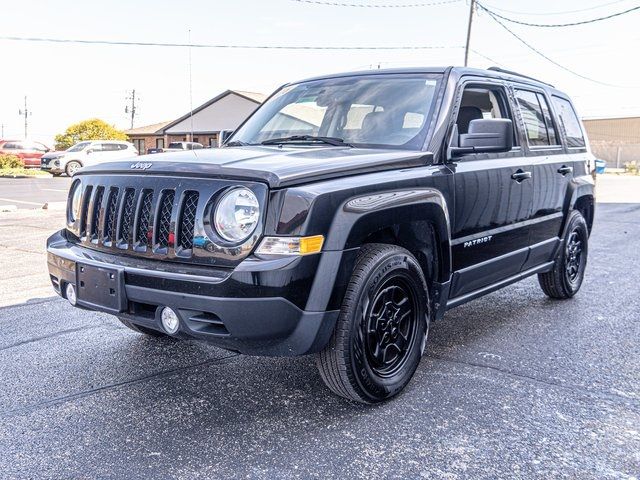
x=388, y=110
x=175, y=145
x=78, y=146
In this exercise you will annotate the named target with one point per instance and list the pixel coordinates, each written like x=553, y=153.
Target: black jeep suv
x=346, y=214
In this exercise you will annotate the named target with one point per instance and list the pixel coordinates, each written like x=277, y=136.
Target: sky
x=66, y=83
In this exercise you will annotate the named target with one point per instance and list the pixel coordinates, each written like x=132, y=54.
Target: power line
x=546, y=14
x=558, y=25
x=376, y=5
x=205, y=45
x=532, y=48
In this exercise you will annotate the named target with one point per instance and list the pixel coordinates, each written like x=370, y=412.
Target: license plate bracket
x=101, y=288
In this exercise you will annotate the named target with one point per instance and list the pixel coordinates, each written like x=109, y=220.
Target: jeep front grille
x=130, y=215
x=157, y=217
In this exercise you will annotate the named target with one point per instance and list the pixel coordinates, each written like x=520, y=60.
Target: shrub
x=10, y=161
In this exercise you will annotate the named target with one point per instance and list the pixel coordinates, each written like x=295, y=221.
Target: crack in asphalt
x=612, y=397
x=85, y=393
x=50, y=335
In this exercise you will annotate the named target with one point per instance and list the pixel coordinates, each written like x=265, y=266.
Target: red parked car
x=30, y=152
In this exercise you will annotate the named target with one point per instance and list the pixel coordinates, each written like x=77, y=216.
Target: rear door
x=552, y=172
x=493, y=192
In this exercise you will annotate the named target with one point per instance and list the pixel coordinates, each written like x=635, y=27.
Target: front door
x=493, y=192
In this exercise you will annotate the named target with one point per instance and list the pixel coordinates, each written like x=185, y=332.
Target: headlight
x=236, y=215
x=76, y=202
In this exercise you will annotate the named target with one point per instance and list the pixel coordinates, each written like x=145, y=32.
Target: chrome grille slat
x=84, y=212
x=125, y=234
x=142, y=239
x=94, y=229
x=187, y=221
x=163, y=224
x=110, y=215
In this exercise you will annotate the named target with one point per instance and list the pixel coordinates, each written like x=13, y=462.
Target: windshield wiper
x=335, y=141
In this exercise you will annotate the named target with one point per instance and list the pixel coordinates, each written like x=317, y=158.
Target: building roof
x=251, y=96
x=255, y=96
x=156, y=128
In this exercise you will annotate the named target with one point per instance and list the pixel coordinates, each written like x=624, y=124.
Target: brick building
x=223, y=112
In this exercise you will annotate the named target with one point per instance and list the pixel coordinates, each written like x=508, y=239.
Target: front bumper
x=50, y=166
x=261, y=307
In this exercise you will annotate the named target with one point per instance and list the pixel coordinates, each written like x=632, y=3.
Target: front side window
x=570, y=123
x=78, y=147
x=367, y=111
x=537, y=118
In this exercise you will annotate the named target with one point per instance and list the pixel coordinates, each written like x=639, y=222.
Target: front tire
x=381, y=332
x=72, y=167
x=567, y=275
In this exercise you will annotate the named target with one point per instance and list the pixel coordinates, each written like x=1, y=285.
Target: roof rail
x=510, y=72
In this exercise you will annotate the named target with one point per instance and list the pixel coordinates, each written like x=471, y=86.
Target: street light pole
x=472, y=8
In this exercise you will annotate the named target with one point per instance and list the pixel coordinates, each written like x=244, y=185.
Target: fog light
x=70, y=292
x=170, y=320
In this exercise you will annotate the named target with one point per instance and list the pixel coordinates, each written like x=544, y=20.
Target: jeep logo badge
x=141, y=166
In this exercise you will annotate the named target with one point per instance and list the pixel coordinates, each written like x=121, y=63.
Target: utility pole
x=131, y=110
x=26, y=114
x=472, y=8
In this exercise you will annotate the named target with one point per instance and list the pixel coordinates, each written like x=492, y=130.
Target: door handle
x=564, y=170
x=520, y=176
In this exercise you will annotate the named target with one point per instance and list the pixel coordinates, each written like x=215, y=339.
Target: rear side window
x=570, y=122
x=537, y=118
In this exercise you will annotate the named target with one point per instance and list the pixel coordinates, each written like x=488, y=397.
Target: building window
x=159, y=142
x=213, y=141
x=195, y=139
x=140, y=145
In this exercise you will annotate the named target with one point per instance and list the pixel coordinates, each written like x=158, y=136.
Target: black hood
x=279, y=167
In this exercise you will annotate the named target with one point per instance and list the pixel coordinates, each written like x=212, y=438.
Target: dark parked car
x=346, y=214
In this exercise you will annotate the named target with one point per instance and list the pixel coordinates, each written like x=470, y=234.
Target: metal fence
x=617, y=156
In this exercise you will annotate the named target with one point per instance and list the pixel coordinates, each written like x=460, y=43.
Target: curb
x=26, y=176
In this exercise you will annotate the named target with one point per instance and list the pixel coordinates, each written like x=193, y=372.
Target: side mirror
x=89, y=151
x=490, y=135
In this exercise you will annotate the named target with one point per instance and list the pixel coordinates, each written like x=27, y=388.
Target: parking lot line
x=54, y=190
x=20, y=201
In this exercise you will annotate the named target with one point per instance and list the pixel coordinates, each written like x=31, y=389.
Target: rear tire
x=567, y=275
x=140, y=329
x=382, y=328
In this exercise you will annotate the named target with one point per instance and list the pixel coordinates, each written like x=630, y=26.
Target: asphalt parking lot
x=29, y=193
x=513, y=385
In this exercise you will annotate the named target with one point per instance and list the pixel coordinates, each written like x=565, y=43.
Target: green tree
x=92, y=129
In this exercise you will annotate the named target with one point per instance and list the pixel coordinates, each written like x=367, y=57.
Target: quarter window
x=537, y=118
x=570, y=122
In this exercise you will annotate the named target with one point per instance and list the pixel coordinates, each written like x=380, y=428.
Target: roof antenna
x=190, y=89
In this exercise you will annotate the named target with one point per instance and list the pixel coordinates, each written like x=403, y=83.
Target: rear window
x=537, y=119
x=570, y=123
